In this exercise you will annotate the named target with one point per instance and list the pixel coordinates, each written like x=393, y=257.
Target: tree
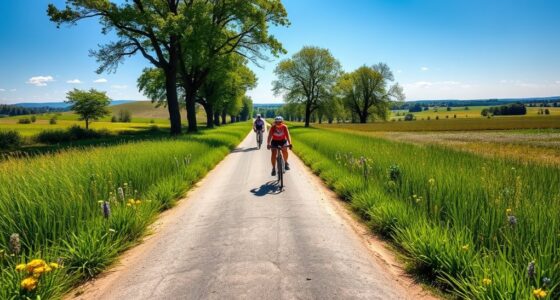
x=307, y=77
x=90, y=105
x=246, y=109
x=366, y=92
x=221, y=28
x=149, y=27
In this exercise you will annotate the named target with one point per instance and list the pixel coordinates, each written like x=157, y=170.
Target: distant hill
x=61, y=105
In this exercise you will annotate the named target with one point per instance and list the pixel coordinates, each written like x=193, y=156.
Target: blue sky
x=453, y=49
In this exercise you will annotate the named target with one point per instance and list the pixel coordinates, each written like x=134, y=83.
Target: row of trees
x=198, y=49
x=314, y=86
x=14, y=110
x=505, y=110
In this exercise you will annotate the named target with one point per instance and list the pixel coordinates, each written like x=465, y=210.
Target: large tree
x=90, y=105
x=307, y=77
x=366, y=91
x=221, y=28
x=152, y=28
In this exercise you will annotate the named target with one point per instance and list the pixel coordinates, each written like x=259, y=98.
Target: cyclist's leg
x=273, y=161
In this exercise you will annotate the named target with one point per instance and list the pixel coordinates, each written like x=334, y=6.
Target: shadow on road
x=269, y=188
x=242, y=149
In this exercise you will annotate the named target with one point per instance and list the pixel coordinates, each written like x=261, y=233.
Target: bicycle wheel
x=280, y=169
x=259, y=139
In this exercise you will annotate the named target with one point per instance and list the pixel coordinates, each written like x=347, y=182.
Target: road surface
x=236, y=236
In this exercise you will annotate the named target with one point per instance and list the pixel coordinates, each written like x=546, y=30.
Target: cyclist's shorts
x=259, y=127
x=275, y=143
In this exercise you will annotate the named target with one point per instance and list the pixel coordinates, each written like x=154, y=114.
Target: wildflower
x=508, y=211
x=15, y=243
x=106, y=209
x=54, y=265
x=29, y=283
x=539, y=293
x=36, y=263
x=531, y=269
x=137, y=202
x=21, y=267
x=512, y=220
x=546, y=281
x=125, y=184
x=465, y=247
x=487, y=281
x=432, y=181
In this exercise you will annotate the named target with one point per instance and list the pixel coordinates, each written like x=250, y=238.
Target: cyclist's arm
x=288, y=136
x=269, y=136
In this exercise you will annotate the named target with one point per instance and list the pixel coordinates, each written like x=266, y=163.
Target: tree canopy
x=307, y=77
x=90, y=105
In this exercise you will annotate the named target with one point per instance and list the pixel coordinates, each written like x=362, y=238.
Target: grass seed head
x=15, y=243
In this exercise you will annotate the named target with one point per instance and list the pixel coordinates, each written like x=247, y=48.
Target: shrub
x=437, y=117
x=70, y=134
x=125, y=116
x=409, y=117
x=53, y=136
x=114, y=119
x=10, y=139
x=52, y=121
x=24, y=121
x=547, y=112
x=33, y=119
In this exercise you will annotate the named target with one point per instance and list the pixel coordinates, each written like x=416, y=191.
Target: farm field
x=461, y=112
x=465, y=124
x=56, y=206
x=492, y=216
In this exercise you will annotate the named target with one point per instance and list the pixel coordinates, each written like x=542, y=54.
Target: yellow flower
x=508, y=211
x=36, y=263
x=465, y=247
x=54, y=265
x=539, y=293
x=128, y=204
x=432, y=181
x=29, y=283
x=487, y=281
x=138, y=202
x=21, y=267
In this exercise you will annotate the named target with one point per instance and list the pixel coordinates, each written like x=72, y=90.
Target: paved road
x=237, y=236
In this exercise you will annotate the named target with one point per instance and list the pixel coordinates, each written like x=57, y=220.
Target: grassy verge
x=81, y=207
x=478, y=228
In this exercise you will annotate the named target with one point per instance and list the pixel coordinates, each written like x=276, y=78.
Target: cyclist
x=279, y=136
x=259, y=126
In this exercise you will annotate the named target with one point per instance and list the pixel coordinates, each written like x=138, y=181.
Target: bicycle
x=259, y=138
x=280, y=164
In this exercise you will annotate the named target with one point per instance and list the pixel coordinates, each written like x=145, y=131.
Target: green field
x=467, y=224
x=144, y=115
x=53, y=202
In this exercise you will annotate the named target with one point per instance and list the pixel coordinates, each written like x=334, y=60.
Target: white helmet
x=258, y=116
x=279, y=119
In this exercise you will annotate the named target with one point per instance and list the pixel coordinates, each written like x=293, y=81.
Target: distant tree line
x=505, y=110
x=14, y=110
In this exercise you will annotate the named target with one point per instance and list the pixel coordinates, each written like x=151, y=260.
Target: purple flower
x=106, y=209
x=531, y=269
x=15, y=243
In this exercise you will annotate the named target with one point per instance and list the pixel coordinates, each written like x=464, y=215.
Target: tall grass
x=469, y=225
x=55, y=202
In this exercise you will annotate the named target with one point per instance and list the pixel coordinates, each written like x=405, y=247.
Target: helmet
x=258, y=116
x=279, y=119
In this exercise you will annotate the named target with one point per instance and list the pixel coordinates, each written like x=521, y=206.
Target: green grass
x=51, y=201
x=461, y=112
x=448, y=210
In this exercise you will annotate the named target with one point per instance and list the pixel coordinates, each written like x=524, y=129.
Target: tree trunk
x=233, y=119
x=209, y=109
x=217, y=118
x=224, y=115
x=307, y=112
x=190, y=100
x=172, y=101
x=87, y=123
x=363, y=117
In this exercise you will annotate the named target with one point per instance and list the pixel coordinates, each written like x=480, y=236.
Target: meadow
x=463, y=112
x=67, y=215
x=473, y=226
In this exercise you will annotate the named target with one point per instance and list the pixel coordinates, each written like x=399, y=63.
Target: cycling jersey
x=279, y=132
x=259, y=124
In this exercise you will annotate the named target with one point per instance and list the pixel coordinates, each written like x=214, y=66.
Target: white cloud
x=557, y=81
x=119, y=86
x=2, y=90
x=13, y=90
x=40, y=80
x=424, y=69
x=100, y=80
x=74, y=81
